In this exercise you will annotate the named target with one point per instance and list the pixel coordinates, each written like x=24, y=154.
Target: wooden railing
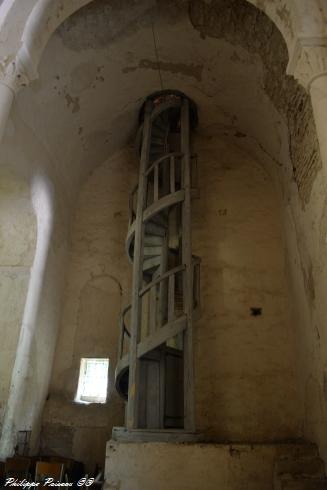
x=162, y=303
x=132, y=205
x=154, y=191
x=168, y=167
x=124, y=331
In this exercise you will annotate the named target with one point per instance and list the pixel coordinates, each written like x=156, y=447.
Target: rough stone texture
x=173, y=466
x=242, y=24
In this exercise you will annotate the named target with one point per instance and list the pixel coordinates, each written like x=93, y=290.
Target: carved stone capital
x=308, y=60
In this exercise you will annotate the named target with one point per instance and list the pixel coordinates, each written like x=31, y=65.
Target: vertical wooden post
x=171, y=298
x=163, y=288
x=152, y=310
x=189, y=418
x=121, y=337
x=134, y=363
x=156, y=183
x=172, y=174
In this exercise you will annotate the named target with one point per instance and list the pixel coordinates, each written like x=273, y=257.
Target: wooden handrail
x=123, y=330
x=175, y=270
x=131, y=199
x=163, y=203
x=123, y=314
x=161, y=159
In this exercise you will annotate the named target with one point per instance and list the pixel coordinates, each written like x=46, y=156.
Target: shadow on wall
x=30, y=372
x=17, y=249
x=81, y=426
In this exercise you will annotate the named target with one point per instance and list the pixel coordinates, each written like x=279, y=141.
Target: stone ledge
x=191, y=466
x=121, y=434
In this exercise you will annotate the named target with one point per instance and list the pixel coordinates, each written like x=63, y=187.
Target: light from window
x=93, y=381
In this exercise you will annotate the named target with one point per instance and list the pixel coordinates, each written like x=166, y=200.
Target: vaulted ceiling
x=107, y=57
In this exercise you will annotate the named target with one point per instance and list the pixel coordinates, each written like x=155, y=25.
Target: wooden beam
x=161, y=159
x=179, y=268
x=156, y=184
x=163, y=203
x=162, y=335
x=171, y=298
x=134, y=367
x=189, y=417
x=172, y=174
x=166, y=435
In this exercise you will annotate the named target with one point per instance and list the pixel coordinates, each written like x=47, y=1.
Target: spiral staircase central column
x=189, y=423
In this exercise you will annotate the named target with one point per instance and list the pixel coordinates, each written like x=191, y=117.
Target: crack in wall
x=189, y=70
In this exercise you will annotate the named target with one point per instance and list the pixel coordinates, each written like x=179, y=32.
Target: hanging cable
x=156, y=53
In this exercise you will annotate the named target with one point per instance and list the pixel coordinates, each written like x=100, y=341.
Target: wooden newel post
x=134, y=362
x=189, y=418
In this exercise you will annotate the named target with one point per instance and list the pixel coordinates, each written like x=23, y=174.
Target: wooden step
x=158, y=132
x=159, y=219
x=150, y=263
x=153, y=240
x=154, y=229
x=160, y=122
x=157, y=150
x=150, y=251
x=158, y=140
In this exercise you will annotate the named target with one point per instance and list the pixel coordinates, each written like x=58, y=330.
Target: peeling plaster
x=225, y=19
x=72, y=102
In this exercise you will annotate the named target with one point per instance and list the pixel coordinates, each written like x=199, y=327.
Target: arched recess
x=17, y=250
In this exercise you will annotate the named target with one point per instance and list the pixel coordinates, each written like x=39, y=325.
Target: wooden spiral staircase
x=154, y=373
